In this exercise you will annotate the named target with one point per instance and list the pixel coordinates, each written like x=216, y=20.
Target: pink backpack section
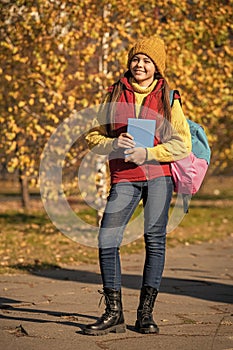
x=188, y=174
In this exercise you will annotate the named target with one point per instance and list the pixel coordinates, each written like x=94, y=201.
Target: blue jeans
x=123, y=199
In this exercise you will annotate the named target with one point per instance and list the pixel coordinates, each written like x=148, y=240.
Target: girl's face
x=143, y=69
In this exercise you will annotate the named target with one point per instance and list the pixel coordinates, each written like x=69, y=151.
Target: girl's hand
x=125, y=140
x=136, y=155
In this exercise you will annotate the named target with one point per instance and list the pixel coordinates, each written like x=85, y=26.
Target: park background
x=57, y=58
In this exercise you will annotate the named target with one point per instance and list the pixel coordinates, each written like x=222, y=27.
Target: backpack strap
x=174, y=95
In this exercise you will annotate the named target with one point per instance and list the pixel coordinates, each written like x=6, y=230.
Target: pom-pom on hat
x=152, y=47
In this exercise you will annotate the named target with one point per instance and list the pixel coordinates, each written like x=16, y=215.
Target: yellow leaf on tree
x=21, y=104
x=8, y=77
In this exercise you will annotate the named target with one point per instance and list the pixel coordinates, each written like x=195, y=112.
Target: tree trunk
x=102, y=185
x=102, y=175
x=24, y=190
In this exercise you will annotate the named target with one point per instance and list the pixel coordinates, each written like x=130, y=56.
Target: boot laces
x=104, y=295
x=147, y=307
x=108, y=310
x=146, y=312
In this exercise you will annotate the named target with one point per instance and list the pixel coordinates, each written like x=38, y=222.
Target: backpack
x=188, y=173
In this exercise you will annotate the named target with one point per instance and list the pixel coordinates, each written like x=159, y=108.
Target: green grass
x=203, y=224
x=30, y=242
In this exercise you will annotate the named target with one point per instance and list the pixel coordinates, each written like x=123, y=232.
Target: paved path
x=194, y=310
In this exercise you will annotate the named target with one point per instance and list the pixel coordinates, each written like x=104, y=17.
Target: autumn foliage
x=58, y=56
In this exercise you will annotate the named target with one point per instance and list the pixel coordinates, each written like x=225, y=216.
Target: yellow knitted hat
x=152, y=47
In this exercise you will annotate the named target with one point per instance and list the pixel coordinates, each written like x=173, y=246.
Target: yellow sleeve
x=97, y=138
x=179, y=146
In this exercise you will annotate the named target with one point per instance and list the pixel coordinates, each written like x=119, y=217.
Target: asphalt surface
x=194, y=310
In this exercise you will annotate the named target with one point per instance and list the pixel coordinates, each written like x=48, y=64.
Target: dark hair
x=165, y=129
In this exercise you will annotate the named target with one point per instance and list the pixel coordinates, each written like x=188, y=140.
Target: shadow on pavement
x=197, y=288
x=11, y=311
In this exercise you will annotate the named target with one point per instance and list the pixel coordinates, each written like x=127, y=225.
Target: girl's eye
x=136, y=59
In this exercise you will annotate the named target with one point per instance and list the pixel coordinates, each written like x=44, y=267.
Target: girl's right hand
x=125, y=140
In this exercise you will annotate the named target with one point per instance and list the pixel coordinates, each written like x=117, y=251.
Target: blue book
x=143, y=131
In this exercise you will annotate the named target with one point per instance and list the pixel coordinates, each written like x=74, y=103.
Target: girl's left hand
x=136, y=155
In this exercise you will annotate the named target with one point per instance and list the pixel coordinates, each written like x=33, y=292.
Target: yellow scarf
x=140, y=93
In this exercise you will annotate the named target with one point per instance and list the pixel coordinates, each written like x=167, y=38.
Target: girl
x=137, y=173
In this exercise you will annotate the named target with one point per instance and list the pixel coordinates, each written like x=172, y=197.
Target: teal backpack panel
x=200, y=145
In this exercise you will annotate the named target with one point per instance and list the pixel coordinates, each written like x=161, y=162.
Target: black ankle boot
x=112, y=320
x=145, y=322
